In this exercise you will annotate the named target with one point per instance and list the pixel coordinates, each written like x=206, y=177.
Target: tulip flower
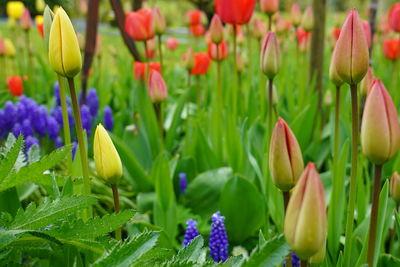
x=15, y=9
x=269, y=7
x=48, y=16
x=235, y=11
x=391, y=49
x=39, y=24
x=2, y=47
x=296, y=14
x=197, y=30
x=285, y=158
x=158, y=90
x=64, y=54
x=240, y=63
x=106, y=158
x=172, y=43
x=368, y=33
x=333, y=76
x=151, y=48
x=140, y=69
x=335, y=33
x=305, y=225
x=159, y=21
x=216, y=30
x=259, y=28
x=218, y=52
x=40, y=5
x=380, y=130
x=366, y=83
x=303, y=39
x=395, y=186
x=282, y=25
x=201, y=64
x=394, y=17
x=351, y=50
x=26, y=20
x=10, y=48
x=270, y=55
x=188, y=59
x=194, y=17
x=307, y=22
x=139, y=25
x=15, y=85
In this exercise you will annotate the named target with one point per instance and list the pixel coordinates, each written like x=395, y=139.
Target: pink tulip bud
x=333, y=76
x=158, y=90
x=351, y=50
x=158, y=20
x=366, y=83
x=216, y=30
x=270, y=55
x=380, y=130
x=172, y=43
x=26, y=20
x=367, y=30
x=305, y=225
x=218, y=52
x=307, y=22
x=259, y=28
x=395, y=186
x=296, y=14
x=285, y=159
x=269, y=7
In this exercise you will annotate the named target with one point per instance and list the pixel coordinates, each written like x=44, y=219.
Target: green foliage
x=271, y=253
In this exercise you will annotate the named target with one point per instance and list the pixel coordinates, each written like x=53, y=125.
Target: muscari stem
x=234, y=92
x=81, y=143
x=160, y=51
x=353, y=178
x=374, y=215
x=114, y=187
x=66, y=128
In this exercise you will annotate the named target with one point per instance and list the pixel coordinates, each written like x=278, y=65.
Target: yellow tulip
x=15, y=9
x=106, y=158
x=39, y=19
x=40, y=5
x=64, y=54
x=10, y=48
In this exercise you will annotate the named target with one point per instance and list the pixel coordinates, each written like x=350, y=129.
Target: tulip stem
x=269, y=22
x=234, y=92
x=81, y=143
x=336, y=137
x=304, y=263
x=66, y=128
x=189, y=87
x=270, y=103
x=160, y=51
x=286, y=198
x=374, y=215
x=114, y=187
x=158, y=110
x=353, y=178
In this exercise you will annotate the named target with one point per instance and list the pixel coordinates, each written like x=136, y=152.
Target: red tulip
x=40, y=29
x=235, y=11
x=201, y=64
x=222, y=51
x=26, y=20
x=158, y=90
x=15, y=85
x=367, y=30
x=139, y=25
x=269, y=6
x=394, y=17
x=140, y=69
x=197, y=30
x=335, y=33
x=172, y=43
x=194, y=17
x=391, y=48
x=303, y=38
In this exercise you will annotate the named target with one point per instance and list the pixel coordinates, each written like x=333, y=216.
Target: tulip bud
x=319, y=257
x=15, y=85
x=15, y=9
x=269, y=7
x=240, y=63
x=40, y=5
x=218, y=52
x=39, y=24
x=2, y=47
x=159, y=21
x=305, y=225
x=158, y=90
x=307, y=22
x=172, y=43
x=367, y=30
x=139, y=25
x=64, y=53
x=216, y=30
x=47, y=21
x=270, y=55
x=26, y=20
x=391, y=48
x=10, y=48
x=188, y=59
x=333, y=76
x=351, y=50
x=259, y=28
x=366, y=83
x=285, y=159
x=296, y=15
x=106, y=158
x=395, y=186
x=380, y=130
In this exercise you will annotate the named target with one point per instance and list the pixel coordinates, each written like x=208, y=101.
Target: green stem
x=353, y=178
x=374, y=215
x=114, y=187
x=160, y=51
x=188, y=101
x=66, y=128
x=234, y=92
x=269, y=22
x=81, y=143
x=158, y=111
x=304, y=263
x=270, y=105
x=336, y=136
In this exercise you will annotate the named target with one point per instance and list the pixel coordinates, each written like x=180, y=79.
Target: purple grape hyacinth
x=295, y=261
x=29, y=142
x=218, y=243
x=182, y=182
x=191, y=232
x=108, y=119
x=86, y=119
x=92, y=100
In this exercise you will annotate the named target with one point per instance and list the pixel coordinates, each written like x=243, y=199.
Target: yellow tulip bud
x=319, y=257
x=106, y=157
x=15, y=9
x=64, y=53
x=10, y=48
x=40, y=5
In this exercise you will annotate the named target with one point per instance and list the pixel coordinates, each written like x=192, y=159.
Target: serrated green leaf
x=124, y=254
x=35, y=218
x=192, y=252
x=11, y=156
x=271, y=254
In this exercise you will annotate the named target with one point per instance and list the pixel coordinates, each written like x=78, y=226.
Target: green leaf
x=11, y=156
x=242, y=205
x=271, y=254
x=124, y=254
x=192, y=252
x=31, y=172
x=49, y=211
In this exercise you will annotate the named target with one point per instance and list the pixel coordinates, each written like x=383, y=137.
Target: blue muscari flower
x=92, y=100
x=218, y=243
x=108, y=119
x=53, y=128
x=57, y=93
x=30, y=106
x=59, y=142
x=21, y=111
x=29, y=142
x=295, y=261
x=71, y=118
x=10, y=112
x=39, y=121
x=16, y=130
x=182, y=182
x=3, y=131
x=86, y=119
x=191, y=232
x=26, y=128
x=56, y=113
